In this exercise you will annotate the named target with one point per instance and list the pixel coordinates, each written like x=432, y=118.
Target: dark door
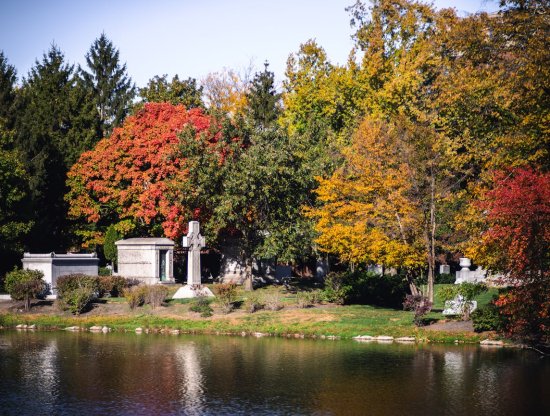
x=162, y=264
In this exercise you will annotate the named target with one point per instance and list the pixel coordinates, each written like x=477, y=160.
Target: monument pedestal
x=192, y=291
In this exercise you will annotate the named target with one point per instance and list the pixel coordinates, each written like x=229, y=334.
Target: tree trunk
x=248, y=286
x=412, y=285
x=430, y=237
x=27, y=302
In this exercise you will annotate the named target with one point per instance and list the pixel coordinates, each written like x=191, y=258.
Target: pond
x=61, y=373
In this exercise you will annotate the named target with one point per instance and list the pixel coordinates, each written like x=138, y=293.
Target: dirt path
x=451, y=326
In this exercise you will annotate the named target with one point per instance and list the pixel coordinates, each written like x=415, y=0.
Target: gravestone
x=444, y=269
x=149, y=260
x=233, y=269
x=458, y=305
x=194, y=241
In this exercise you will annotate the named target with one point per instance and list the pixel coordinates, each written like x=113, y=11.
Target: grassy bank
x=318, y=321
x=342, y=321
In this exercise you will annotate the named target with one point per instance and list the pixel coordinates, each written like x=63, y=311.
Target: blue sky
x=188, y=37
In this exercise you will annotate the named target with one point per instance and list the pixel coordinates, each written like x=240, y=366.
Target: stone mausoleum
x=55, y=265
x=147, y=259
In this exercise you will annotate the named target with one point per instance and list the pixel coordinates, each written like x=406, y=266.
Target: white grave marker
x=194, y=241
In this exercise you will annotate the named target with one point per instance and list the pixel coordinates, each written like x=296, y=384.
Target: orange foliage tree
x=133, y=178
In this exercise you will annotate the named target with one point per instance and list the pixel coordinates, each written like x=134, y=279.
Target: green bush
x=70, y=282
x=305, y=299
x=77, y=300
x=135, y=295
x=273, y=301
x=76, y=292
x=155, y=295
x=201, y=305
x=487, y=319
x=23, y=284
x=105, y=271
x=337, y=288
x=364, y=287
x=253, y=303
x=112, y=285
x=226, y=294
x=445, y=279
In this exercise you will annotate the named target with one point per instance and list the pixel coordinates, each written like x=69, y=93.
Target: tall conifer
x=108, y=83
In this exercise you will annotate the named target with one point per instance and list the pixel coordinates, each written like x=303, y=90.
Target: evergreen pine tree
x=108, y=83
x=51, y=131
x=159, y=90
x=8, y=77
x=263, y=100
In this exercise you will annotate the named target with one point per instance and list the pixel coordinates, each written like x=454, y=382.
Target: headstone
x=321, y=269
x=55, y=265
x=444, y=269
x=233, y=269
x=194, y=241
x=149, y=260
x=458, y=305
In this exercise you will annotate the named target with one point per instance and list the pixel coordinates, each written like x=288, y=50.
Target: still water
x=127, y=374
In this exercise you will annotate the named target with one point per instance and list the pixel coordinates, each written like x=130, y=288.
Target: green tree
x=109, y=84
x=109, y=248
x=25, y=285
x=49, y=133
x=8, y=77
x=262, y=199
x=263, y=101
x=175, y=92
x=14, y=215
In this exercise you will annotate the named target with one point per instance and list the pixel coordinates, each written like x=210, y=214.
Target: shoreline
x=151, y=324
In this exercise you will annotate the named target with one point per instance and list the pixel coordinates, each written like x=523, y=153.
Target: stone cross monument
x=194, y=241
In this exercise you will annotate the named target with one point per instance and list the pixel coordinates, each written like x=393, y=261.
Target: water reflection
x=67, y=374
x=39, y=367
x=191, y=389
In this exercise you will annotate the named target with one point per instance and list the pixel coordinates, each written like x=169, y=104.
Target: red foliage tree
x=517, y=243
x=133, y=176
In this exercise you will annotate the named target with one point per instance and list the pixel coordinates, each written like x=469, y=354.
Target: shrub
x=445, y=279
x=304, y=299
x=487, y=318
x=254, y=303
x=273, y=302
x=112, y=285
x=201, y=305
x=420, y=305
x=155, y=295
x=25, y=285
x=337, y=288
x=105, y=271
x=135, y=295
x=77, y=300
x=76, y=291
x=376, y=289
x=316, y=296
x=226, y=294
x=70, y=282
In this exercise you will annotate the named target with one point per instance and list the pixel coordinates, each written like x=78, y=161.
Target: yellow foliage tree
x=381, y=205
